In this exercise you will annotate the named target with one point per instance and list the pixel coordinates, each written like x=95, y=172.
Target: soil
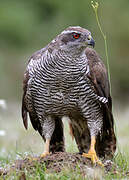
x=55, y=163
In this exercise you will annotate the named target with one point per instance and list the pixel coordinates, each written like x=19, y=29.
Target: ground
x=70, y=165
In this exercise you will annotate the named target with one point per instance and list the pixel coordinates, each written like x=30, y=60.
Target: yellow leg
x=46, y=149
x=71, y=131
x=92, y=153
x=44, y=154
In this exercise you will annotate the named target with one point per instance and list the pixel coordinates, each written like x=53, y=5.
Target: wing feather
x=99, y=77
x=24, y=109
x=25, y=104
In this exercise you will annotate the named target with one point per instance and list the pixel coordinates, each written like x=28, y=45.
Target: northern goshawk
x=61, y=81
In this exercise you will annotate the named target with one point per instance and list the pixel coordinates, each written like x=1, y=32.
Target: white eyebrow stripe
x=68, y=31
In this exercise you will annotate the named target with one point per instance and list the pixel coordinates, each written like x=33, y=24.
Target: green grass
x=40, y=173
x=19, y=143
x=119, y=171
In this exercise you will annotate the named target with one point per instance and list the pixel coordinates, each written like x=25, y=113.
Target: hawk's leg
x=57, y=140
x=71, y=130
x=46, y=148
x=47, y=132
x=92, y=153
x=44, y=154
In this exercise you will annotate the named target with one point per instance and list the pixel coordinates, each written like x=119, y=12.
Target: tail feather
x=24, y=113
x=24, y=117
x=107, y=138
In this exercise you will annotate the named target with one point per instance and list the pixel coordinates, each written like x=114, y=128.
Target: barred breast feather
x=58, y=85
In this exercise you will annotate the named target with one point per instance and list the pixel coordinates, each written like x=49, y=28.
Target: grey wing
x=27, y=102
x=24, y=108
x=98, y=73
x=27, y=106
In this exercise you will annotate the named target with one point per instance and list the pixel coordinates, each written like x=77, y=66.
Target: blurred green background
x=27, y=26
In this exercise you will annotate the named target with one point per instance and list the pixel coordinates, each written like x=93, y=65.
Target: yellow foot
x=32, y=159
x=37, y=158
x=44, y=154
x=92, y=155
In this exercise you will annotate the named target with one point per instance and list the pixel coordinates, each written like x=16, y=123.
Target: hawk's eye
x=76, y=35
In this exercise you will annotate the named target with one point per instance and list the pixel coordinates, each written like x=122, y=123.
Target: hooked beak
x=91, y=42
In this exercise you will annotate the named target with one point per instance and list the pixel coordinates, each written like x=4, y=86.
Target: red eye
x=76, y=35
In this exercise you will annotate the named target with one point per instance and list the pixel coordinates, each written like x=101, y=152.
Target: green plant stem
x=95, y=8
x=108, y=67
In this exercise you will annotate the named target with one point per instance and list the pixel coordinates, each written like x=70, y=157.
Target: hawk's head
x=75, y=38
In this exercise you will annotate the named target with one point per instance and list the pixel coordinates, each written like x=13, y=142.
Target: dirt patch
x=55, y=163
